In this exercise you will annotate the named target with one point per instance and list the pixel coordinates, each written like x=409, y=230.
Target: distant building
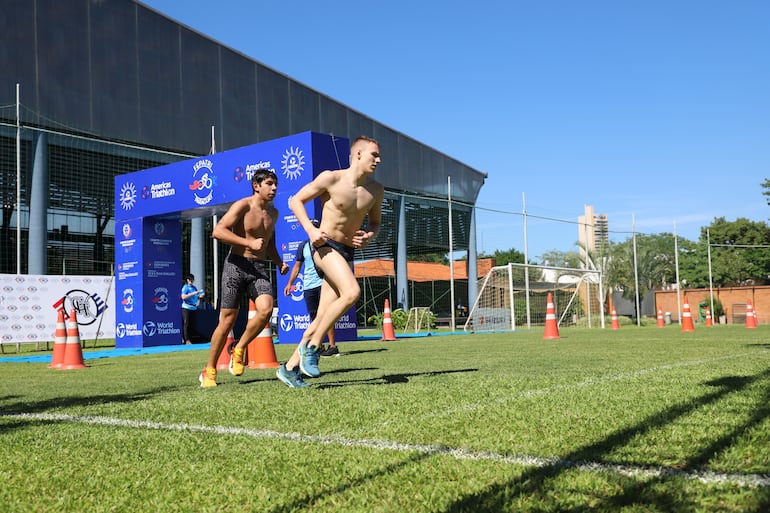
x=593, y=231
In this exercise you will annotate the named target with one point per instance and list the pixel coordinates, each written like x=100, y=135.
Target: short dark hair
x=190, y=277
x=261, y=175
x=364, y=138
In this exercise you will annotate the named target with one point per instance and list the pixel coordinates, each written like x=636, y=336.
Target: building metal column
x=402, y=278
x=473, y=288
x=198, y=253
x=37, y=252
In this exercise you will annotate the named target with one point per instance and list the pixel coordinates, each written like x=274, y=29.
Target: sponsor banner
x=149, y=278
x=29, y=306
x=148, y=263
x=309, y=158
x=195, y=187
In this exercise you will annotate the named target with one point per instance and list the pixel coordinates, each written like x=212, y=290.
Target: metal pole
x=526, y=261
x=18, y=178
x=214, y=245
x=711, y=281
x=678, y=287
x=636, y=273
x=451, y=252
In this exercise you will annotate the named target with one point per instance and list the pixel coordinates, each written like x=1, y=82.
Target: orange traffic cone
x=709, y=322
x=751, y=319
x=551, y=326
x=73, y=353
x=615, y=323
x=59, y=343
x=387, y=324
x=661, y=323
x=224, y=357
x=262, y=350
x=687, y=316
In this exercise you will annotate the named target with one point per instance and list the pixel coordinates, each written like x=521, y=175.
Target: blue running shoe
x=308, y=360
x=292, y=378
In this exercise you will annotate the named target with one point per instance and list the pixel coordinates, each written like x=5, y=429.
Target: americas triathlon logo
x=292, y=163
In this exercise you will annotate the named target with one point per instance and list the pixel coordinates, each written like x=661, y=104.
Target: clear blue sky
x=654, y=111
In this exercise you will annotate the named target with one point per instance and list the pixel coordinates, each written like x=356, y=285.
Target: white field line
x=459, y=453
x=524, y=394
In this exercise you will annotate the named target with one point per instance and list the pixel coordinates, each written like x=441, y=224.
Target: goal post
x=515, y=296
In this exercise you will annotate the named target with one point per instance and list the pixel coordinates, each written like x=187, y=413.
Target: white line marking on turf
x=704, y=476
x=524, y=394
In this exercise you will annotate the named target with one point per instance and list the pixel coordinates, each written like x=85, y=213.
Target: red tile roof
x=422, y=271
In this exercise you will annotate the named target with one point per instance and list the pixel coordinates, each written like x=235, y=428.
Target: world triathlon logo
x=204, y=181
x=292, y=163
x=127, y=196
x=287, y=322
x=149, y=329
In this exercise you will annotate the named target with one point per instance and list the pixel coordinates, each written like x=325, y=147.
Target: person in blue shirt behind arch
x=190, y=298
x=311, y=288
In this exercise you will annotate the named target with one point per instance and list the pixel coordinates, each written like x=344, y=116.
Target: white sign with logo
x=29, y=306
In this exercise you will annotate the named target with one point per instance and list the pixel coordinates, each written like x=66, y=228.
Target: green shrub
x=399, y=318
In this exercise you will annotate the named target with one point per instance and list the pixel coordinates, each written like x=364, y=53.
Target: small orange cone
x=661, y=323
x=387, y=324
x=262, y=350
x=751, y=319
x=615, y=323
x=224, y=357
x=551, y=326
x=687, y=324
x=59, y=343
x=709, y=322
x=73, y=353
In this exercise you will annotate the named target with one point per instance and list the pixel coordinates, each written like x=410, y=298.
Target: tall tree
x=739, y=251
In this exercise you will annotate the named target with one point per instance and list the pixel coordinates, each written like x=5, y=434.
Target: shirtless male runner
x=347, y=197
x=249, y=228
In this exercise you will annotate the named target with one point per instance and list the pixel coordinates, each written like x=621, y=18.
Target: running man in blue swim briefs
x=249, y=228
x=347, y=196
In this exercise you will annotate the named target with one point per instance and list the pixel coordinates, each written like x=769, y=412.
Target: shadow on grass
x=306, y=502
x=389, y=379
x=59, y=404
x=534, y=485
x=357, y=351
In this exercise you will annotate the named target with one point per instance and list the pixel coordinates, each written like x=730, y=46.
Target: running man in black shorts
x=249, y=228
x=348, y=196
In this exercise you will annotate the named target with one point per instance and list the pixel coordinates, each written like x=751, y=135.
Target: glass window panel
x=239, y=101
x=62, y=45
x=305, y=110
x=272, y=104
x=113, y=70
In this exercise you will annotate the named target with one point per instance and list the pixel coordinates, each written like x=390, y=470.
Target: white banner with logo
x=29, y=306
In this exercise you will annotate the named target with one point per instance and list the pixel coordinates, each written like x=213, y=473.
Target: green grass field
x=641, y=419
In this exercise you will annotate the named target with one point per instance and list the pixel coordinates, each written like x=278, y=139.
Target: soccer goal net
x=516, y=295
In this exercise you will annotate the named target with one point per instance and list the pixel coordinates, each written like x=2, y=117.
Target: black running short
x=243, y=275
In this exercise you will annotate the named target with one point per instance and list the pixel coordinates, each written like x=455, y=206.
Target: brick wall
x=733, y=299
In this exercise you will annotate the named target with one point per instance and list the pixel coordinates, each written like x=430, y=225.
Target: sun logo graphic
x=292, y=163
x=127, y=196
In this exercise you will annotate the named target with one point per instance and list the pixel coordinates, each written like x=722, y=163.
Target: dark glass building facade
x=113, y=86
